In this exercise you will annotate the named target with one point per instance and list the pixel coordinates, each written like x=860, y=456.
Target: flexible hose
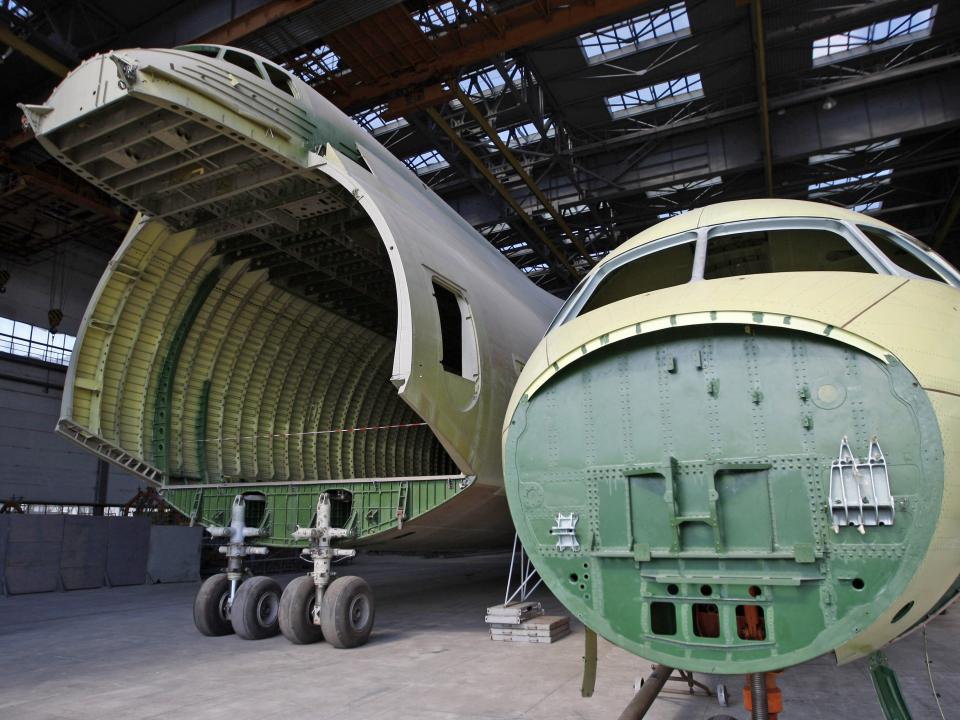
x=758, y=692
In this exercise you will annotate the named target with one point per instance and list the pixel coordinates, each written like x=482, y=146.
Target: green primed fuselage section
x=698, y=463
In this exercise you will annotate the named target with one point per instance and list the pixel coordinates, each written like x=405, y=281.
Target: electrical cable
x=927, y=661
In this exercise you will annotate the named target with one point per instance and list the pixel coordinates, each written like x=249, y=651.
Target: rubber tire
x=296, y=608
x=207, y=606
x=340, y=601
x=248, y=604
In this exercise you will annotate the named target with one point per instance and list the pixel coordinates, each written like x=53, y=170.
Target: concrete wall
x=42, y=553
x=35, y=463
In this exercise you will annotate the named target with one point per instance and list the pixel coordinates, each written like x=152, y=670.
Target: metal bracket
x=860, y=489
x=566, y=531
x=888, y=689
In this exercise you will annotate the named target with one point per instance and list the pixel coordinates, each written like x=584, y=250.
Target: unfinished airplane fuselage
x=292, y=312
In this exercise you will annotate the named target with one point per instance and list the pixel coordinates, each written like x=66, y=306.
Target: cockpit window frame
x=589, y=284
x=920, y=250
x=261, y=63
x=848, y=230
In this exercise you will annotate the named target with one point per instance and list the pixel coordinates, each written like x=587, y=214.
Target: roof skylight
x=485, y=81
x=443, y=16
x=670, y=214
x=522, y=134
x=319, y=61
x=426, y=162
x=372, y=120
x=680, y=187
x=18, y=9
x=851, y=151
x=645, y=99
x=638, y=33
x=825, y=187
x=867, y=207
x=877, y=36
x=534, y=269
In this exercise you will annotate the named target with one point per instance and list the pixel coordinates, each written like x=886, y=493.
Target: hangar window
x=826, y=187
x=877, y=36
x=684, y=187
x=905, y=255
x=874, y=148
x=638, y=33
x=458, y=340
x=653, y=97
x=242, y=61
x=661, y=268
x=772, y=251
x=426, y=162
x=372, y=120
x=867, y=207
x=30, y=341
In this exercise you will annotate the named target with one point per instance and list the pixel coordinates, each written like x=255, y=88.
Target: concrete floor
x=134, y=653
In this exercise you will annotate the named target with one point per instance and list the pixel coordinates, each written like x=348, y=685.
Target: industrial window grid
x=30, y=341
x=373, y=122
x=18, y=9
x=652, y=97
x=871, y=148
x=867, y=207
x=670, y=214
x=486, y=82
x=426, y=161
x=536, y=269
x=522, y=134
x=681, y=187
x=825, y=187
x=876, y=36
x=442, y=17
x=638, y=33
x=314, y=64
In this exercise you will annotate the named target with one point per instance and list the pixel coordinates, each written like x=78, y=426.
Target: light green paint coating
x=372, y=507
x=681, y=490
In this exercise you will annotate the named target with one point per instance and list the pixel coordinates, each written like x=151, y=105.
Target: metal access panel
x=699, y=464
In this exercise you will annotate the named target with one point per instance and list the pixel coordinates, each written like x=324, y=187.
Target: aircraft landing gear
x=315, y=606
x=225, y=603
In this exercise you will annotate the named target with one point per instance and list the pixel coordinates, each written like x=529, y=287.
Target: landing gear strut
x=317, y=606
x=225, y=603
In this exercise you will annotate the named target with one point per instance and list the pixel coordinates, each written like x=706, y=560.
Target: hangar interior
x=556, y=130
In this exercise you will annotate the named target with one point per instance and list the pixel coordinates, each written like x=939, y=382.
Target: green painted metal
x=888, y=689
x=162, y=406
x=367, y=507
x=201, y=429
x=696, y=506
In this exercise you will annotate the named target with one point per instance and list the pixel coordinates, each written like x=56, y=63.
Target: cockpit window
x=654, y=271
x=898, y=250
x=279, y=78
x=775, y=251
x=205, y=50
x=241, y=60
